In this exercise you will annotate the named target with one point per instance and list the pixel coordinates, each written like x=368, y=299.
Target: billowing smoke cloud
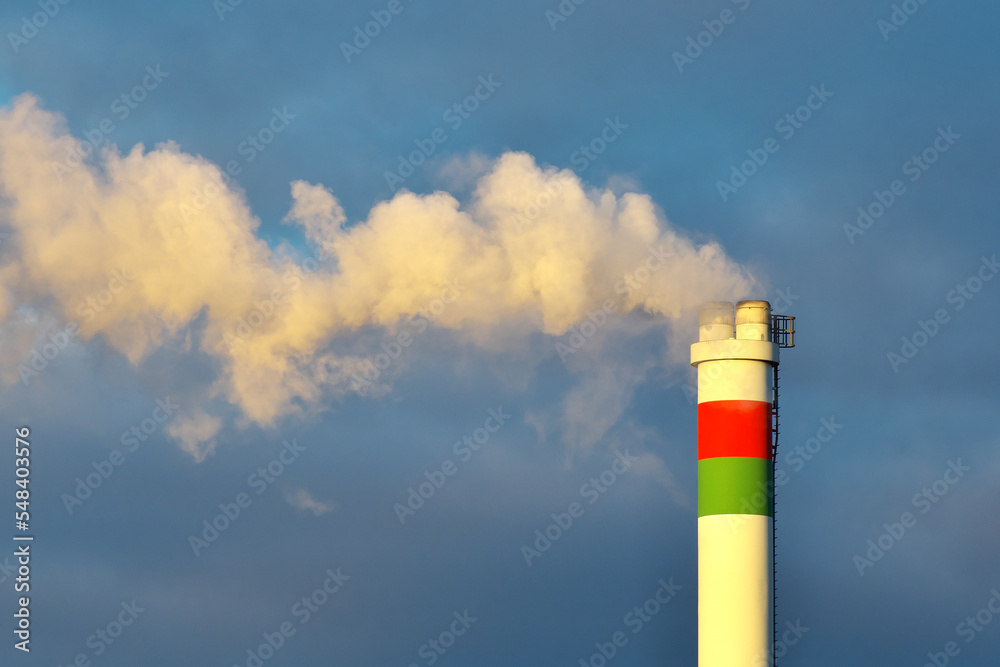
x=175, y=245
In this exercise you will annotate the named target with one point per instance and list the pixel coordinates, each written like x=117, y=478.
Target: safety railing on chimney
x=783, y=330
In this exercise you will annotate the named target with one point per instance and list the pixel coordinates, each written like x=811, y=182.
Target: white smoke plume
x=533, y=249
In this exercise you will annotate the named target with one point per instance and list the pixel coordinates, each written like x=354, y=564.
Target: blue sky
x=346, y=458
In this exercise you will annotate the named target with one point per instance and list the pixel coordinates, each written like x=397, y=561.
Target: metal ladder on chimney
x=782, y=333
x=775, y=430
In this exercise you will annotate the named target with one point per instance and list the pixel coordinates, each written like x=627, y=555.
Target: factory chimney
x=737, y=359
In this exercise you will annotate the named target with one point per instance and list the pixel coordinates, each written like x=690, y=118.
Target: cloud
x=462, y=171
x=167, y=247
x=195, y=431
x=301, y=499
x=651, y=466
x=317, y=211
